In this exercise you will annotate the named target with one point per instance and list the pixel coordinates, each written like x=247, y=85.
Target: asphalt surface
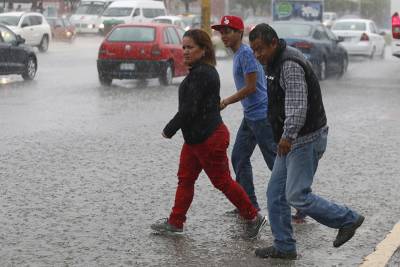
x=84, y=170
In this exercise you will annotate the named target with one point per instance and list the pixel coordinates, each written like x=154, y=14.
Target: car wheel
x=322, y=70
x=44, y=44
x=167, y=75
x=30, y=69
x=104, y=80
x=343, y=67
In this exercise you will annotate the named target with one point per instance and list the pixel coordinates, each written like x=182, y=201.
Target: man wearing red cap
x=250, y=83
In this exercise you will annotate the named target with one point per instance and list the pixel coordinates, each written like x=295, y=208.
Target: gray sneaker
x=253, y=228
x=164, y=227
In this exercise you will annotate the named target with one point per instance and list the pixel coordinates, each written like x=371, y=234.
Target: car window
x=10, y=20
x=287, y=30
x=320, y=34
x=330, y=34
x=174, y=36
x=26, y=21
x=136, y=13
x=152, y=12
x=36, y=20
x=181, y=32
x=7, y=36
x=166, y=38
x=117, y=12
x=132, y=34
x=349, y=26
x=66, y=22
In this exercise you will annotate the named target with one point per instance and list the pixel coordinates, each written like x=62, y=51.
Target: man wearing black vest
x=300, y=129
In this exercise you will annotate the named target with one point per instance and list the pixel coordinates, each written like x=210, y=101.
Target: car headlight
x=91, y=26
x=101, y=26
x=68, y=34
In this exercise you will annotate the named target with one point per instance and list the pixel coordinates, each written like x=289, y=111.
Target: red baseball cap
x=233, y=22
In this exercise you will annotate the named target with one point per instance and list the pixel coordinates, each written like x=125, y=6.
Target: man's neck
x=236, y=47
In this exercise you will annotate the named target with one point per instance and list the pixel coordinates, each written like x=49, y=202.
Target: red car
x=141, y=51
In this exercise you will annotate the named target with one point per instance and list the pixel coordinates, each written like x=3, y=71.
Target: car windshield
x=291, y=30
x=349, y=26
x=94, y=8
x=118, y=12
x=132, y=34
x=9, y=20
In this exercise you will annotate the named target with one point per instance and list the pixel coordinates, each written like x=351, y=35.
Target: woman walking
x=206, y=138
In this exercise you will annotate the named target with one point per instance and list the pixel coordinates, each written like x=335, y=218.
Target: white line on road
x=384, y=250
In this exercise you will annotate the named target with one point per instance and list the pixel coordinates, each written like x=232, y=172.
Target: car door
x=15, y=56
x=175, y=47
x=38, y=32
x=378, y=39
x=4, y=54
x=337, y=50
x=326, y=47
x=27, y=30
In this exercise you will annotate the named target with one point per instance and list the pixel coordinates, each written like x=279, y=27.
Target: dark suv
x=15, y=57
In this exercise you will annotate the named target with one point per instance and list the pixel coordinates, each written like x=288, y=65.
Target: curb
x=384, y=250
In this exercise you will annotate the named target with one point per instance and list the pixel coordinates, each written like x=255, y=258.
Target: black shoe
x=234, y=212
x=272, y=252
x=164, y=227
x=346, y=233
x=253, y=228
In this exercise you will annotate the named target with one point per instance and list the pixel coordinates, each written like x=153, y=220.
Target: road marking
x=384, y=250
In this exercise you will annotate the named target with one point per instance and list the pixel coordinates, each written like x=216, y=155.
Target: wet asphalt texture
x=84, y=170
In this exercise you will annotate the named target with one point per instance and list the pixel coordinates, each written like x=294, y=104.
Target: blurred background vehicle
x=62, y=29
x=317, y=43
x=15, y=57
x=175, y=20
x=360, y=37
x=252, y=21
x=329, y=18
x=395, y=11
x=130, y=11
x=141, y=51
x=86, y=17
x=32, y=26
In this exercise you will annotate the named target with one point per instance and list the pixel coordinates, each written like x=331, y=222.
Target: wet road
x=84, y=170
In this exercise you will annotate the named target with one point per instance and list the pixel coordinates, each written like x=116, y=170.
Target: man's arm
x=249, y=88
x=294, y=83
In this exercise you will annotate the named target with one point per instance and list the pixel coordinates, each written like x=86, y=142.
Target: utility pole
x=205, y=16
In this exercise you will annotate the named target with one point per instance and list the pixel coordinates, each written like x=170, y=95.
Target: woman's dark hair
x=264, y=32
x=203, y=40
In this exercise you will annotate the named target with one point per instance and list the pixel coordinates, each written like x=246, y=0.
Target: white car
x=329, y=19
x=32, y=26
x=175, y=20
x=360, y=37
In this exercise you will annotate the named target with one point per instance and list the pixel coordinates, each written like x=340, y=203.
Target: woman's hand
x=163, y=134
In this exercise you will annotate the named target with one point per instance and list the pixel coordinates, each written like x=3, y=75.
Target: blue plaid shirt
x=293, y=82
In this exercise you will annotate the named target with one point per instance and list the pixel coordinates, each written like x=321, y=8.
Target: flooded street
x=84, y=169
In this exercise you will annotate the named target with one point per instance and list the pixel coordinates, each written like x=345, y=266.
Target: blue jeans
x=290, y=185
x=250, y=134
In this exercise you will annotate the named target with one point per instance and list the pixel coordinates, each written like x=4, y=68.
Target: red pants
x=211, y=157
